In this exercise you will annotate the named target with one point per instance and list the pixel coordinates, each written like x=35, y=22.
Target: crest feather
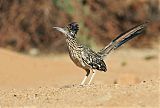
x=74, y=27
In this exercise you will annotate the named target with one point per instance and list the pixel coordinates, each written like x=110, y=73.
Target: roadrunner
x=88, y=59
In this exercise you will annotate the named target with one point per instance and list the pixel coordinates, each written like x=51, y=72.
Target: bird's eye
x=72, y=33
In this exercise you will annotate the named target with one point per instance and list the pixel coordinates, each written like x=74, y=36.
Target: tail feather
x=122, y=38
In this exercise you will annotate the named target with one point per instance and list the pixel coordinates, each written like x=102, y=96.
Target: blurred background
x=27, y=24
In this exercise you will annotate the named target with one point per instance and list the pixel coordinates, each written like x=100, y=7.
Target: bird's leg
x=86, y=76
x=94, y=72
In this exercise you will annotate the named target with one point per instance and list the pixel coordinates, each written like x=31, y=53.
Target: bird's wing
x=122, y=38
x=93, y=60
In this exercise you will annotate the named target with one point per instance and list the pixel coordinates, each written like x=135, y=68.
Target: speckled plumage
x=88, y=59
x=84, y=57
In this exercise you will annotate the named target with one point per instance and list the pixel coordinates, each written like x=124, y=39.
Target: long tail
x=122, y=38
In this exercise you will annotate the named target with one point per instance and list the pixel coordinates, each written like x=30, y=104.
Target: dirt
x=132, y=80
x=28, y=24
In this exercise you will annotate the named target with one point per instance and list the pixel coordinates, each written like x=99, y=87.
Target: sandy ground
x=132, y=80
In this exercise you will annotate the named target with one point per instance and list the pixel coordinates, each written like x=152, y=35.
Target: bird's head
x=70, y=30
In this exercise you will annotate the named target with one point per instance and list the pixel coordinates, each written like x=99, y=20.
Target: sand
x=132, y=80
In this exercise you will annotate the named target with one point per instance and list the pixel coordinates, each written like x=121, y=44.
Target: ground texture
x=132, y=80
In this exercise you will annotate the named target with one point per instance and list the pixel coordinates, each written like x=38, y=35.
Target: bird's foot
x=86, y=85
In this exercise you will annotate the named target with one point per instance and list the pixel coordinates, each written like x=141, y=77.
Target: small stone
x=36, y=95
x=115, y=82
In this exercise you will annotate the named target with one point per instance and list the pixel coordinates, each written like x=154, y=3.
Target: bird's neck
x=72, y=42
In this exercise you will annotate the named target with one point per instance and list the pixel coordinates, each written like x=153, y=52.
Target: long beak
x=60, y=29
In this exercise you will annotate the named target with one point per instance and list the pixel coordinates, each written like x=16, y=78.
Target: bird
x=89, y=60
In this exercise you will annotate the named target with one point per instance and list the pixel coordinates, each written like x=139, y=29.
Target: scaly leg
x=86, y=76
x=94, y=72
